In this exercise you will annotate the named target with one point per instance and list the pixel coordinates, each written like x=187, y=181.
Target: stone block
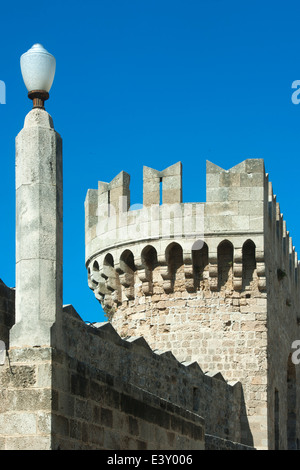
x=240, y=223
x=238, y=194
x=28, y=443
x=256, y=222
x=254, y=208
x=229, y=179
x=38, y=291
x=106, y=417
x=221, y=223
x=217, y=194
x=252, y=180
x=91, y=208
x=18, y=424
x=36, y=227
x=255, y=165
x=212, y=180
x=31, y=144
x=213, y=168
x=224, y=208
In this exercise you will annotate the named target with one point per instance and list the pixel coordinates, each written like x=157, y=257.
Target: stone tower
x=214, y=282
x=65, y=384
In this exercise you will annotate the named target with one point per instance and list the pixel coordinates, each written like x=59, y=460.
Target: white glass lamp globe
x=38, y=70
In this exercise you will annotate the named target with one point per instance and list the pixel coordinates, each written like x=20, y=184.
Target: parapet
x=235, y=198
x=131, y=361
x=121, y=240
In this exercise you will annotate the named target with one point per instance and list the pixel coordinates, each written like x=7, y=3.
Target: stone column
x=38, y=231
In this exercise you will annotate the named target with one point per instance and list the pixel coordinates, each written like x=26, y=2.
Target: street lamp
x=38, y=69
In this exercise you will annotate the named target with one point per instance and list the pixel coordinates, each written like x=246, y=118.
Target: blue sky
x=152, y=82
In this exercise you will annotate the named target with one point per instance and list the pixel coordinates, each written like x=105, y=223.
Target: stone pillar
x=38, y=231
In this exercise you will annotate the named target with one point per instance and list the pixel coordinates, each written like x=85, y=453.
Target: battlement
x=171, y=181
x=130, y=362
x=235, y=218
x=122, y=243
x=215, y=282
x=280, y=240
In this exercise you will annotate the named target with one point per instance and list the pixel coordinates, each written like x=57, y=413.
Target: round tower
x=188, y=277
x=181, y=274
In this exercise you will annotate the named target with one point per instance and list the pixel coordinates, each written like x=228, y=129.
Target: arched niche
x=127, y=262
x=225, y=263
x=174, y=258
x=149, y=257
x=249, y=263
x=200, y=261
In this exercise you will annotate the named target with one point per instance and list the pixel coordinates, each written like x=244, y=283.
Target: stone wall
x=95, y=408
x=201, y=296
x=133, y=362
x=95, y=390
x=223, y=331
x=216, y=443
x=26, y=400
x=283, y=379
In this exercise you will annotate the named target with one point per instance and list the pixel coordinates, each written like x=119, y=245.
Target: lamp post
x=38, y=210
x=38, y=70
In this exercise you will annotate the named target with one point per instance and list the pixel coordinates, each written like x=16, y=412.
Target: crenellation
x=91, y=208
x=116, y=193
x=171, y=181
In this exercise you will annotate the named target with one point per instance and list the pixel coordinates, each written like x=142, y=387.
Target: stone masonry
x=215, y=283
x=202, y=301
x=96, y=390
x=65, y=384
x=203, y=306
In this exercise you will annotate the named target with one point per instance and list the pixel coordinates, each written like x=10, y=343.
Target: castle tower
x=214, y=282
x=38, y=230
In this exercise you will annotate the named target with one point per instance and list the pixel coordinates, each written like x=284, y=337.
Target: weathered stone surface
x=214, y=305
x=38, y=230
x=229, y=305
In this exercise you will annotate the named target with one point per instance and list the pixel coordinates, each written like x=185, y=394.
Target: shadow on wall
x=7, y=311
x=246, y=434
x=97, y=375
